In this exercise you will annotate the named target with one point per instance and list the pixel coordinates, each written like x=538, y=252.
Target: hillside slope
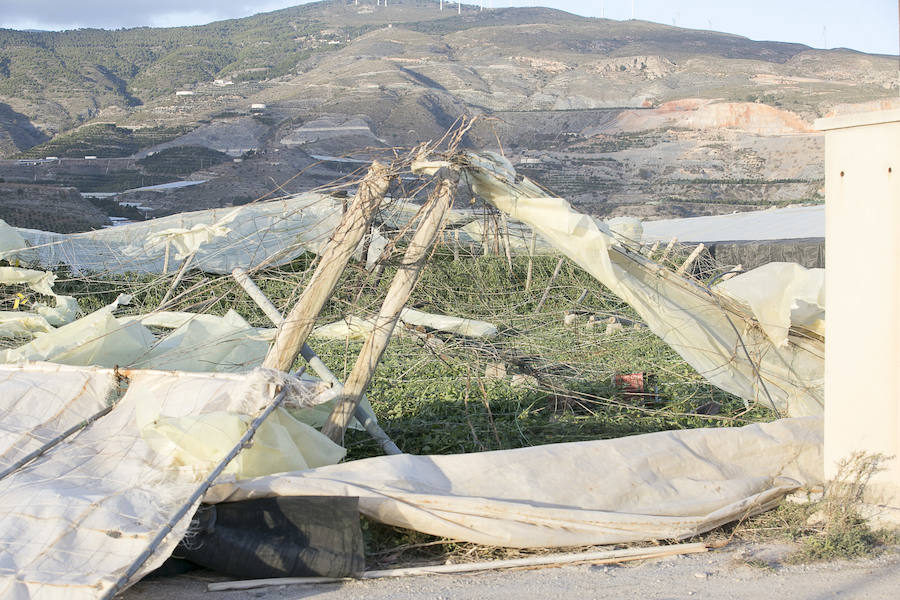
x=619, y=115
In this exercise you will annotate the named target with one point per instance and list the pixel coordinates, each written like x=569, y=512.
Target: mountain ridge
x=617, y=115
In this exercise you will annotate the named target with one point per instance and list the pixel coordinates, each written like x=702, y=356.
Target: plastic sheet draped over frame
x=40, y=403
x=713, y=335
x=781, y=295
x=666, y=485
x=277, y=230
x=74, y=520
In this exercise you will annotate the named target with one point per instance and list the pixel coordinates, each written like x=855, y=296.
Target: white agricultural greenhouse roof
x=793, y=222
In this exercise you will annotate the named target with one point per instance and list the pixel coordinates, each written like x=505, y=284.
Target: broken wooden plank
x=690, y=259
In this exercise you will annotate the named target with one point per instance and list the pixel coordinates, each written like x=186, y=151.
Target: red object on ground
x=632, y=383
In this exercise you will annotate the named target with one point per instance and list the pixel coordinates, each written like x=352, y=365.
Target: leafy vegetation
x=129, y=66
x=830, y=528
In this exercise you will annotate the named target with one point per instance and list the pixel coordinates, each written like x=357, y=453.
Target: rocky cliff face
x=702, y=114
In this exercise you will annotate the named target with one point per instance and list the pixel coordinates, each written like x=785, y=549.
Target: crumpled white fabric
x=39, y=281
x=44, y=316
x=96, y=339
x=275, y=232
x=780, y=295
x=359, y=328
x=187, y=241
x=665, y=485
x=73, y=520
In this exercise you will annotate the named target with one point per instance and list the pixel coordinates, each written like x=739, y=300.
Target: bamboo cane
x=553, y=277
x=528, y=275
x=177, y=280
x=506, y=245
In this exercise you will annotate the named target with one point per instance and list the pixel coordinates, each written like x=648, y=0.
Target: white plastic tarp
x=40, y=403
x=781, y=295
x=712, y=337
x=277, y=230
x=666, y=485
x=74, y=520
x=359, y=328
x=793, y=222
x=24, y=323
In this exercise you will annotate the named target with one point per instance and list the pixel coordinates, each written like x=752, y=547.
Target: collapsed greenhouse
x=118, y=425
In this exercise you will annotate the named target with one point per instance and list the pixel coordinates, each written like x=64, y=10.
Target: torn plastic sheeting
x=713, y=336
x=197, y=343
x=43, y=317
x=97, y=339
x=396, y=213
x=13, y=246
x=39, y=403
x=665, y=485
x=75, y=519
x=39, y=281
x=359, y=328
x=799, y=299
x=188, y=241
x=19, y=324
x=448, y=323
x=282, y=443
x=206, y=343
x=277, y=231
x=490, y=234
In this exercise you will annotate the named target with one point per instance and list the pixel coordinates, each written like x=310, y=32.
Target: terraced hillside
x=622, y=116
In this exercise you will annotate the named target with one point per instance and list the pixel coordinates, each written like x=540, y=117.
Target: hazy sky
x=867, y=25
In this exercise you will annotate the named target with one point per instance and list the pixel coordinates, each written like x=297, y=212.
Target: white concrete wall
x=862, y=260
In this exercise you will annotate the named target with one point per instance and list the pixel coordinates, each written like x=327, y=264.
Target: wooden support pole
x=397, y=295
x=506, y=245
x=668, y=249
x=366, y=420
x=690, y=259
x=528, y=275
x=299, y=322
x=166, y=257
x=177, y=280
x=553, y=277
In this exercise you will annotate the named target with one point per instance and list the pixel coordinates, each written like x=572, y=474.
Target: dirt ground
x=738, y=571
